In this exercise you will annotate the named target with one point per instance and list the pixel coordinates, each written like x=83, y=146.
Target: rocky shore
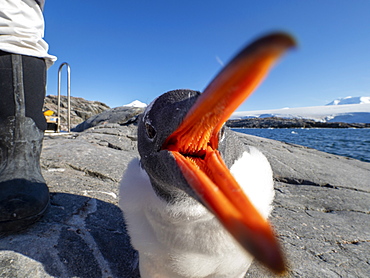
x=81, y=109
x=85, y=113
x=321, y=213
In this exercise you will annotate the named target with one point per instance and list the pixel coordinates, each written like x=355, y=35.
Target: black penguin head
x=160, y=119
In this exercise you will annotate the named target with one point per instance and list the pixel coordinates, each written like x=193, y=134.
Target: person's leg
x=24, y=196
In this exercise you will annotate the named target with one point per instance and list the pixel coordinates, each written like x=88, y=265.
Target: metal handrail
x=68, y=95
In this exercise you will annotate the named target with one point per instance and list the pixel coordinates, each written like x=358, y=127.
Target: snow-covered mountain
x=350, y=100
x=336, y=111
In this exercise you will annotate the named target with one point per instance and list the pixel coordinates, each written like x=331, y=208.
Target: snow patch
x=136, y=103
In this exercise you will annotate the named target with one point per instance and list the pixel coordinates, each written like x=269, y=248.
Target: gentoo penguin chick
x=196, y=202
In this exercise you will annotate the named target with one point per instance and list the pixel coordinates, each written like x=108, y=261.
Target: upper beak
x=194, y=145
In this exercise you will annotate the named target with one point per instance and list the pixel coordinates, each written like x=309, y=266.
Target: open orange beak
x=194, y=145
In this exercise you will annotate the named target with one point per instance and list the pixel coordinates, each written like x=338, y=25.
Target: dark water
x=354, y=143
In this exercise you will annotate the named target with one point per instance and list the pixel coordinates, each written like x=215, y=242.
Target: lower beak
x=194, y=144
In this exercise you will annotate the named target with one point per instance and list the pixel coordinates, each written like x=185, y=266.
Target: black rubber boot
x=24, y=196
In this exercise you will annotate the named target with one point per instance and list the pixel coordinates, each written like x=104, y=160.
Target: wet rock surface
x=122, y=115
x=321, y=214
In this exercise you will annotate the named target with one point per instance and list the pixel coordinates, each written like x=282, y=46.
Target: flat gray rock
x=321, y=214
x=119, y=115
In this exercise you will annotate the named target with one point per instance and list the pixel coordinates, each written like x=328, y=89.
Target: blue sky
x=120, y=51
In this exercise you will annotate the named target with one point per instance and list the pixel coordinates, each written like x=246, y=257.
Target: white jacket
x=22, y=29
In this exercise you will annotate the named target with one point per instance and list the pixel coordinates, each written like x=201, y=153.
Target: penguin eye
x=150, y=131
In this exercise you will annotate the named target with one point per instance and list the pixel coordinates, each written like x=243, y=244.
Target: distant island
x=276, y=122
x=348, y=112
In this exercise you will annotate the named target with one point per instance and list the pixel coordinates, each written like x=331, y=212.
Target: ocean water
x=354, y=143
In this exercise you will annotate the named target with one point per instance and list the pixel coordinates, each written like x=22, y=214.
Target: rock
x=83, y=234
x=321, y=210
x=81, y=109
x=275, y=122
x=86, y=114
x=122, y=115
